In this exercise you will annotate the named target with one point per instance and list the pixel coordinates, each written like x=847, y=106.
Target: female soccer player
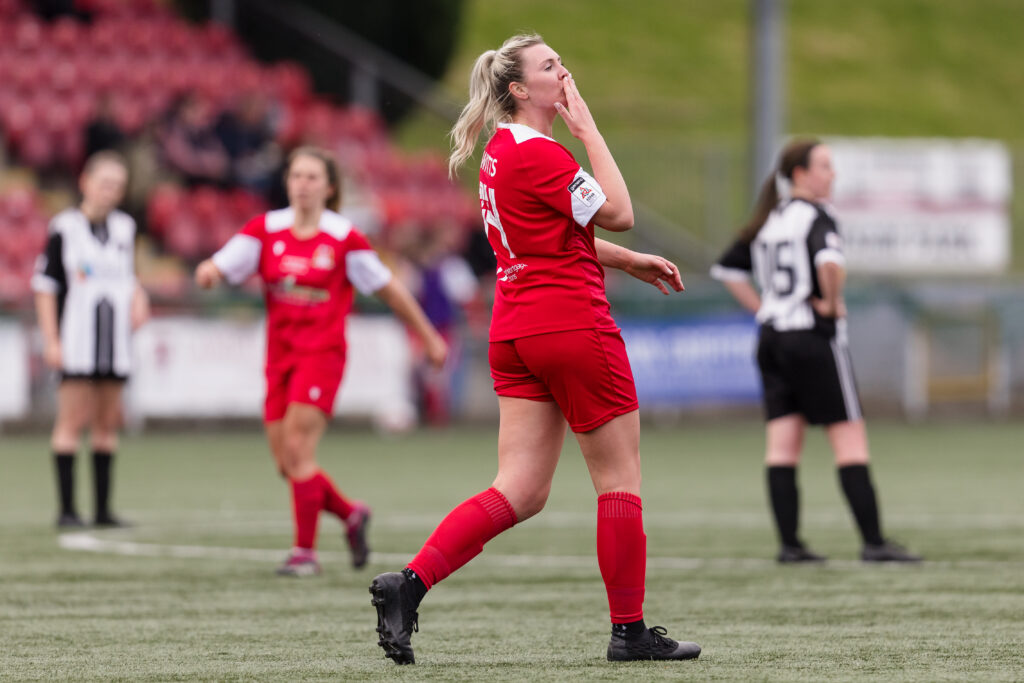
x=310, y=258
x=88, y=302
x=556, y=355
x=795, y=253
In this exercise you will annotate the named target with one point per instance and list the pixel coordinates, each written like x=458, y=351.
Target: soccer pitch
x=189, y=593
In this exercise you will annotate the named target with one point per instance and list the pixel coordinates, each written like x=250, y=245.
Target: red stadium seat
x=28, y=33
x=103, y=36
x=164, y=204
x=66, y=34
x=17, y=120
x=11, y=8
x=36, y=148
x=64, y=75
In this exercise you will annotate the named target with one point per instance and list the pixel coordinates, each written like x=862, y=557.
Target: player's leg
x=275, y=440
x=784, y=441
x=849, y=443
x=74, y=409
x=830, y=398
x=104, y=437
x=300, y=431
x=612, y=454
x=314, y=385
x=530, y=437
x=589, y=376
x=779, y=359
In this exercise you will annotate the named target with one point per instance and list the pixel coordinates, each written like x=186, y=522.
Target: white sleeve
x=829, y=256
x=723, y=274
x=239, y=258
x=587, y=197
x=365, y=271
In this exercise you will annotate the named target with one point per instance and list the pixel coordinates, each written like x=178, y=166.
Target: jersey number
x=489, y=210
x=779, y=273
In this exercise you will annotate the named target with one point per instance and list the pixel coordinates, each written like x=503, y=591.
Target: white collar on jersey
x=521, y=132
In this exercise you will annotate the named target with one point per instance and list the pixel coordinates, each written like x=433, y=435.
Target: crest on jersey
x=278, y=248
x=583, y=191
x=323, y=257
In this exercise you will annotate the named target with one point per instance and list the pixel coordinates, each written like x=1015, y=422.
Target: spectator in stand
x=443, y=283
x=102, y=132
x=189, y=143
x=88, y=302
x=248, y=137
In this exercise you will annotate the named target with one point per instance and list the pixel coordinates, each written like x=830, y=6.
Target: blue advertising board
x=687, y=361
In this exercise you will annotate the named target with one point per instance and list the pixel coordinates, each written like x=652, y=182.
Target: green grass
x=668, y=82
x=949, y=491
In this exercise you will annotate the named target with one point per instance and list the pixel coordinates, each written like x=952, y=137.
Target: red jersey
x=308, y=283
x=538, y=207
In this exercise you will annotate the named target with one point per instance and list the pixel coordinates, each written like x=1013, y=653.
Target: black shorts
x=807, y=372
x=93, y=377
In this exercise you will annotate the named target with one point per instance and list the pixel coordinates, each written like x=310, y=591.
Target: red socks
x=311, y=496
x=334, y=502
x=621, y=545
x=622, y=554
x=461, y=535
x=307, y=501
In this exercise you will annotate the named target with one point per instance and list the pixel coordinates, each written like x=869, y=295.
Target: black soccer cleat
x=70, y=521
x=652, y=644
x=109, y=521
x=887, y=551
x=355, y=534
x=798, y=554
x=397, y=619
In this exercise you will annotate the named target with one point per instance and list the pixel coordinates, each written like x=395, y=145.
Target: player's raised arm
x=616, y=214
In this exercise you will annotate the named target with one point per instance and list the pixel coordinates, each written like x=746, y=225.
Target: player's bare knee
x=532, y=503
x=782, y=458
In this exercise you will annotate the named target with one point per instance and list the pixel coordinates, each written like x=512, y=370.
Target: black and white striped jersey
x=91, y=270
x=798, y=237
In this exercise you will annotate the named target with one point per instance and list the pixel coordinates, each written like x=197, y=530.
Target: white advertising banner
x=909, y=242
x=14, y=379
x=913, y=206
x=192, y=367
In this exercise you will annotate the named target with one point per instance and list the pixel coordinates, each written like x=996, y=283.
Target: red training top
x=538, y=207
x=308, y=283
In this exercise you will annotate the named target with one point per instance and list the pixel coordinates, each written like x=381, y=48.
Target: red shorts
x=586, y=372
x=313, y=379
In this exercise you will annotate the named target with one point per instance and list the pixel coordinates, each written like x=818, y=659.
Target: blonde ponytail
x=489, y=99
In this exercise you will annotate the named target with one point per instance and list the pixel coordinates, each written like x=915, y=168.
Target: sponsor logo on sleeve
x=583, y=191
x=833, y=240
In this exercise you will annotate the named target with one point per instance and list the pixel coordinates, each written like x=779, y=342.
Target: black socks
x=417, y=589
x=860, y=494
x=101, y=467
x=785, y=500
x=64, y=464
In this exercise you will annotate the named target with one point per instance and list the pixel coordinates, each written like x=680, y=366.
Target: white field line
x=264, y=520
x=88, y=542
